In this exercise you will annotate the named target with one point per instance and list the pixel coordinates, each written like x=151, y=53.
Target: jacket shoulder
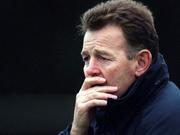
x=162, y=114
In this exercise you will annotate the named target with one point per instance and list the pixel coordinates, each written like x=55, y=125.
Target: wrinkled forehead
x=109, y=36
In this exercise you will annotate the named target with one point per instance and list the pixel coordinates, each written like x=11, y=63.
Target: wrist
x=76, y=131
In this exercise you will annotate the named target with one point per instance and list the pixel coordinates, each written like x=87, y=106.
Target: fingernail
x=115, y=87
x=114, y=97
x=102, y=79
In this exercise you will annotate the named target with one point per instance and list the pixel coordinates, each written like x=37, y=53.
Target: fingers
x=84, y=97
x=105, y=89
x=90, y=81
x=98, y=92
x=95, y=102
x=95, y=96
x=93, y=90
x=94, y=93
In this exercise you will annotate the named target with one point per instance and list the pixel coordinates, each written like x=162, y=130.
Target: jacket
x=151, y=106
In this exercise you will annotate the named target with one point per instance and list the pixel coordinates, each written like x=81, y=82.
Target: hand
x=90, y=95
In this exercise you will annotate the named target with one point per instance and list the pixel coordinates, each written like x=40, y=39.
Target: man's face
x=104, y=55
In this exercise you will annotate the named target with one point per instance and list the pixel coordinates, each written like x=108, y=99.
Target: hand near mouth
x=93, y=93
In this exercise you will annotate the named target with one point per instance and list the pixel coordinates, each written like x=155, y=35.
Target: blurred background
x=40, y=63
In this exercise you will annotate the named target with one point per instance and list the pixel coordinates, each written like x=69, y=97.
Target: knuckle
x=79, y=106
x=87, y=79
x=93, y=102
x=80, y=93
x=93, y=95
x=77, y=95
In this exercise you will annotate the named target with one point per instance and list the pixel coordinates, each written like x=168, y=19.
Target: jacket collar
x=137, y=95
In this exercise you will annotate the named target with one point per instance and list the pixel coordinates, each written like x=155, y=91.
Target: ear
x=144, y=59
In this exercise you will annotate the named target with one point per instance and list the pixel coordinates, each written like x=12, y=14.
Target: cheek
x=120, y=76
x=112, y=75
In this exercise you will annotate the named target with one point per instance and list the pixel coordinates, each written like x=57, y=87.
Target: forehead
x=109, y=36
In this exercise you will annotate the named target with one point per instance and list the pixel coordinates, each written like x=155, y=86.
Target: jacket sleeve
x=68, y=129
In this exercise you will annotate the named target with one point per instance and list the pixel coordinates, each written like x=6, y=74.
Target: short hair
x=134, y=18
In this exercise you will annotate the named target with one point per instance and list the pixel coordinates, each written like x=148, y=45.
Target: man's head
x=120, y=42
x=135, y=20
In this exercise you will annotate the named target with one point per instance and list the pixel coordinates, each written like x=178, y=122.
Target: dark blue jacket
x=151, y=106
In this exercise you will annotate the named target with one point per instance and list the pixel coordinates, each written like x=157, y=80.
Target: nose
x=92, y=68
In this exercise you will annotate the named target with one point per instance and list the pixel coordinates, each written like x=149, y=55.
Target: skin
x=108, y=73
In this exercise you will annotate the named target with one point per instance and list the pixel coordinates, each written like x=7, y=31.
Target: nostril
x=95, y=74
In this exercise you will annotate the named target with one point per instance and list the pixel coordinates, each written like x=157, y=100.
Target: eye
x=103, y=58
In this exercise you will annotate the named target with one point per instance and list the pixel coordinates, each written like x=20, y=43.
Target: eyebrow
x=99, y=52
x=102, y=52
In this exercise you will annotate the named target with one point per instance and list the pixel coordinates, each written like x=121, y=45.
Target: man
x=126, y=90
